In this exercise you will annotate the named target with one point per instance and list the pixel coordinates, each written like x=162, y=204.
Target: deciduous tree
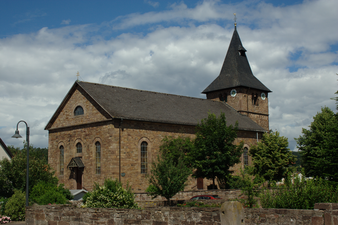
x=319, y=146
x=215, y=151
x=271, y=157
x=167, y=177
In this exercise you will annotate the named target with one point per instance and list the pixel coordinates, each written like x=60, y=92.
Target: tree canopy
x=215, y=152
x=13, y=173
x=319, y=146
x=271, y=157
x=170, y=172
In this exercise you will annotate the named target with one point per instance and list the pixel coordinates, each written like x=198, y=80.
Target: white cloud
x=66, y=22
x=38, y=69
x=153, y=4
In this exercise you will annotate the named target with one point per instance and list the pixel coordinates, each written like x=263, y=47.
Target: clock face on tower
x=263, y=96
x=233, y=92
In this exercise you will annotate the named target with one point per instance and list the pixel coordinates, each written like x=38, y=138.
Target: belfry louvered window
x=245, y=157
x=98, y=157
x=62, y=159
x=144, y=157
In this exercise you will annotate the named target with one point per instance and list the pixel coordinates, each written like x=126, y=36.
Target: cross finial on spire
x=77, y=74
x=235, y=19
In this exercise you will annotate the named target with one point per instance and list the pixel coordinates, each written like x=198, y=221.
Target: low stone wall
x=323, y=214
x=65, y=215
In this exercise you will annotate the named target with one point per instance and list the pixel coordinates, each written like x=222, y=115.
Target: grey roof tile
x=236, y=71
x=134, y=104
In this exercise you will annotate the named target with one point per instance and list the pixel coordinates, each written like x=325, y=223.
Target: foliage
x=44, y=193
x=13, y=173
x=299, y=193
x=110, y=195
x=15, y=206
x=3, y=202
x=319, y=147
x=271, y=157
x=40, y=153
x=175, y=148
x=199, y=204
x=214, y=151
x=4, y=219
x=234, y=182
x=167, y=177
x=250, y=187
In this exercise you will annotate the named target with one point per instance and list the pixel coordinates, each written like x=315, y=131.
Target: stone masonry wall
x=324, y=214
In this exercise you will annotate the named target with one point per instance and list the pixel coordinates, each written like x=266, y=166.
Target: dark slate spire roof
x=236, y=71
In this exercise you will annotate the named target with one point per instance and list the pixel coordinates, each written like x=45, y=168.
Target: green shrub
x=46, y=193
x=3, y=202
x=300, y=194
x=15, y=207
x=110, y=195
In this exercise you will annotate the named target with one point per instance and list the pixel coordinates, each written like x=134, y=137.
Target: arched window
x=245, y=157
x=62, y=159
x=98, y=157
x=79, y=148
x=144, y=151
x=78, y=111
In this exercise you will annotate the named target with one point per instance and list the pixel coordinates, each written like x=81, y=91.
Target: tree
x=319, y=147
x=271, y=157
x=215, y=151
x=167, y=177
x=41, y=153
x=13, y=173
x=176, y=148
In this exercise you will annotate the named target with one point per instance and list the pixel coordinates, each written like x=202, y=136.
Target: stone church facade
x=101, y=131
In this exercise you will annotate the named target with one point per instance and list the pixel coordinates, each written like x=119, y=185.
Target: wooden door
x=78, y=178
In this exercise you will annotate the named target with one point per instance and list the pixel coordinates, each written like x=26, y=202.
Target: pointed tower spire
x=236, y=71
x=238, y=87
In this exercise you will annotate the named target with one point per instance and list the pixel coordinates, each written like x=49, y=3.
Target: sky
x=168, y=46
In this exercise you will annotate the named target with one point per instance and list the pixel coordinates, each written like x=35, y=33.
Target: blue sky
x=167, y=46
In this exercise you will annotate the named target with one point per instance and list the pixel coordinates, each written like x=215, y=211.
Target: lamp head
x=16, y=135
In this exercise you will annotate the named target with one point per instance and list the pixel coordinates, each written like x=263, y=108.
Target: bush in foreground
x=46, y=193
x=110, y=195
x=15, y=206
x=300, y=194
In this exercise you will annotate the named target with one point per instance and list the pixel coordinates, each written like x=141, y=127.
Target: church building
x=101, y=131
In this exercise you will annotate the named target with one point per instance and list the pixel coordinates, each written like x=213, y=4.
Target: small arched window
x=62, y=159
x=98, y=157
x=245, y=157
x=78, y=111
x=79, y=148
x=144, y=157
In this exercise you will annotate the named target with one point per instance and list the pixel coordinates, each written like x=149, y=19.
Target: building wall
x=113, y=135
x=3, y=154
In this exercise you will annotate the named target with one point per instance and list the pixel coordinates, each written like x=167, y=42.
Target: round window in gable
x=78, y=111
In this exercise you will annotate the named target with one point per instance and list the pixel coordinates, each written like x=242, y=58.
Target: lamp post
x=17, y=135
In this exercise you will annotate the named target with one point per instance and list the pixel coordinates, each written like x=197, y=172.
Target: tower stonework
x=238, y=87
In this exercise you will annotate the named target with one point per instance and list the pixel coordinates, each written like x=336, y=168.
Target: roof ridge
x=134, y=89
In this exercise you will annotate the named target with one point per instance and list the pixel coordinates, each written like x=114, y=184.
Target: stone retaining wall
x=323, y=214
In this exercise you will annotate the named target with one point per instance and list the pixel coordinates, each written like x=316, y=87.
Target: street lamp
x=17, y=135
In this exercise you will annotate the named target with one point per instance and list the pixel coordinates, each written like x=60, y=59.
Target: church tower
x=238, y=87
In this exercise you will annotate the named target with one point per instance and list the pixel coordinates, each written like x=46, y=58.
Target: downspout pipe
x=120, y=136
